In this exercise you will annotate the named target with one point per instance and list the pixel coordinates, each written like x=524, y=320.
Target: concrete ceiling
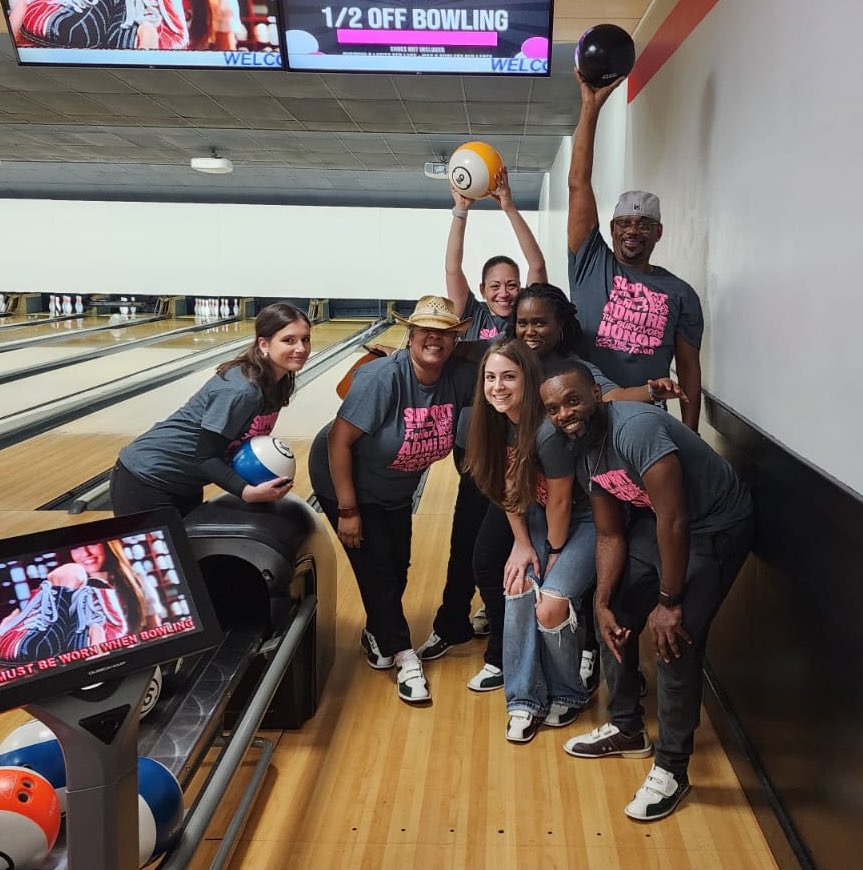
x=298, y=138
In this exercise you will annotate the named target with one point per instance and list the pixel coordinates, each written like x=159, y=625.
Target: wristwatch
x=651, y=395
x=347, y=513
x=667, y=600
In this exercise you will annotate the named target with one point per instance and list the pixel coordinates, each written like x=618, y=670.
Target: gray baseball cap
x=637, y=202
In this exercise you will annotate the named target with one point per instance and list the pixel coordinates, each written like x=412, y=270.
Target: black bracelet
x=553, y=551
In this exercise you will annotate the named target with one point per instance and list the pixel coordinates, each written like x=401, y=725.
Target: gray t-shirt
x=556, y=455
x=230, y=406
x=630, y=318
x=640, y=435
x=407, y=426
x=485, y=324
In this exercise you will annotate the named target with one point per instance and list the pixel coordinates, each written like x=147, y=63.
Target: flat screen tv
x=146, y=33
x=507, y=37
x=94, y=602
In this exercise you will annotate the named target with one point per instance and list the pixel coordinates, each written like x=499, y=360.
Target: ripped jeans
x=541, y=665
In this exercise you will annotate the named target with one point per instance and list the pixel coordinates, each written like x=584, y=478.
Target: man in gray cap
x=636, y=317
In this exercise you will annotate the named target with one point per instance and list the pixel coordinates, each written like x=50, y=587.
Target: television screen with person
x=93, y=602
x=507, y=37
x=148, y=33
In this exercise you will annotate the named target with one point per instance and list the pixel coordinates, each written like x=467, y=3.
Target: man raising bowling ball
x=636, y=317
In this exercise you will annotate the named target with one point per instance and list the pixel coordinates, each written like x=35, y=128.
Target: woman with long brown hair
x=169, y=465
x=523, y=464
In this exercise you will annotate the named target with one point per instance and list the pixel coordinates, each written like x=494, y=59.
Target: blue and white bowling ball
x=29, y=818
x=264, y=458
x=35, y=746
x=160, y=810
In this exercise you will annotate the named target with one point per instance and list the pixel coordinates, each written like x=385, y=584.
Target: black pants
x=714, y=561
x=381, y=567
x=130, y=495
x=493, y=546
x=452, y=621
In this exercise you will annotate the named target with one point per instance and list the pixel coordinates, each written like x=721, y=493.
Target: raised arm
x=457, y=287
x=583, y=215
x=536, y=272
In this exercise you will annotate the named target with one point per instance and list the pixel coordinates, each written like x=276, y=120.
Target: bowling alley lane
x=70, y=344
x=30, y=329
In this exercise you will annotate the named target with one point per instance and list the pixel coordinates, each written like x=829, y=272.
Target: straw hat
x=435, y=312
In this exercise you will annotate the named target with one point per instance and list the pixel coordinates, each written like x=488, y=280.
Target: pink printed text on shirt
x=617, y=483
x=428, y=437
x=633, y=319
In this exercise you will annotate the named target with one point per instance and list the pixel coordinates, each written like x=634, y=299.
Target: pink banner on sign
x=416, y=37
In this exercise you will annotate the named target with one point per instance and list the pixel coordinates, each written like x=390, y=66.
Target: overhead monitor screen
x=147, y=33
x=507, y=37
x=96, y=606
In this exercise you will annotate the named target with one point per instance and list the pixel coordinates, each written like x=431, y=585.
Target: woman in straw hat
x=396, y=420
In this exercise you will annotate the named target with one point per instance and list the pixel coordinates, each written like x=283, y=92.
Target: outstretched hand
x=594, y=97
x=502, y=192
x=269, y=490
x=459, y=199
x=614, y=636
x=665, y=388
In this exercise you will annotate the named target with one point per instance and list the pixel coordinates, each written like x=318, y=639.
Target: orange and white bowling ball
x=29, y=818
x=473, y=169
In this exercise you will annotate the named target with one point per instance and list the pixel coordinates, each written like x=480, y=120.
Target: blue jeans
x=541, y=665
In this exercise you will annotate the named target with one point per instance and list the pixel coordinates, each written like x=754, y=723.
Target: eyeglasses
x=644, y=226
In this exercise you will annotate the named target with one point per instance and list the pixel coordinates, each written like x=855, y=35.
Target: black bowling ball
x=603, y=54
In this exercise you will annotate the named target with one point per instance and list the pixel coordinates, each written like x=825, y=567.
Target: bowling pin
x=236, y=307
x=133, y=308
x=67, y=304
x=124, y=309
x=79, y=305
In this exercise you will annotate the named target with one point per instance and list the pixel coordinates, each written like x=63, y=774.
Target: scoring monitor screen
x=507, y=37
x=96, y=608
x=149, y=33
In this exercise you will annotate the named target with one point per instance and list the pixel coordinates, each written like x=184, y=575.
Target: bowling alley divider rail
x=40, y=418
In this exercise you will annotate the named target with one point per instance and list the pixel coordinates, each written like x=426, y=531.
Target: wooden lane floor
x=69, y=344
x=370, y=782
x=43, y=467
x=51, y=326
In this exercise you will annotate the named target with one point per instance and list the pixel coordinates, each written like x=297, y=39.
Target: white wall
x=169, y=248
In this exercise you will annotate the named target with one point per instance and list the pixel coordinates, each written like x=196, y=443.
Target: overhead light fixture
x=213, y=164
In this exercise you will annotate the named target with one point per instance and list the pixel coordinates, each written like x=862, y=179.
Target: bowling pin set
x=59, y=306
x=215, y=308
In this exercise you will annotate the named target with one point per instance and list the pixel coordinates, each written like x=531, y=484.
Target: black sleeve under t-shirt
x=210, y=453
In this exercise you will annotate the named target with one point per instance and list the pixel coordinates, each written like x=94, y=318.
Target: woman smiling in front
x=519, y=460
x=396, y=420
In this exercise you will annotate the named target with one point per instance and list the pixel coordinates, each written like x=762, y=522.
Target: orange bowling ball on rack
x=29, y=817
